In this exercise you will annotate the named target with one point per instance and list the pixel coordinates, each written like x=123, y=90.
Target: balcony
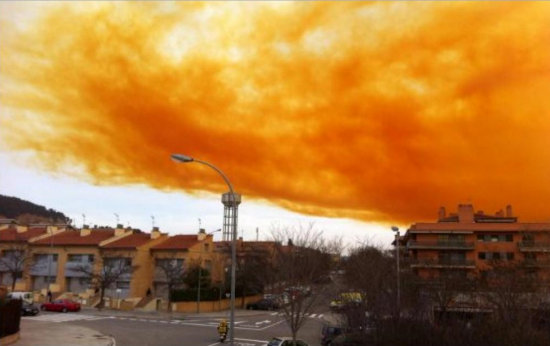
x=534, y=246
x=75, y=269
x=440, y=245
x=443, y=263
x=40, y=268
x=533, y=263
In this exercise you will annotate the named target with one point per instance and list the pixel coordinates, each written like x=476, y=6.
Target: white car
x=285, y=341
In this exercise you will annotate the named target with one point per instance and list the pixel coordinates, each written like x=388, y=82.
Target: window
x=75, y=258
x=123, y=284
x=480, y=237
x=54, y=258
x=496, y=255
x=494, y=238
x=530, y=256
x=509, y=237
x=509, y=256
x=481, y=255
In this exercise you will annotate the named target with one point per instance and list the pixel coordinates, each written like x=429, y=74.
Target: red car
x=62, y=305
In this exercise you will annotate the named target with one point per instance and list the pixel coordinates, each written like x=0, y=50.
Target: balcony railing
x=533, y=263
x=76, y=269
x=534, y=246
x=440, y=245
x=40, y=268
x=442, y=263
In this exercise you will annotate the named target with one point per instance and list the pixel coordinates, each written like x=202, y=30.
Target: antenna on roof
x=117, y=219
x=200, y=223
x=153, y=220
x=83, y=220
x=257, y=233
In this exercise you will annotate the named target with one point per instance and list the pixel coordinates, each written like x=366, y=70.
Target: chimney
x=442, y=213
x=202, y=234
x=155, y=233
x=119, y=230
x=509, y=211
x=85, y=231
x=465, y=213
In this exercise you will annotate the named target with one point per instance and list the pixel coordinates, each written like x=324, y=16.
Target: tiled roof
x=129, y=242
x=177, y=242
x=74, y=238
x=11, y=235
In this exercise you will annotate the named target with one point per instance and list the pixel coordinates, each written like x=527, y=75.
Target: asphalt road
x=252, y=328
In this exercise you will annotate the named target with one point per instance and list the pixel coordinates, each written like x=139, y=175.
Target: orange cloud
x=375, y=111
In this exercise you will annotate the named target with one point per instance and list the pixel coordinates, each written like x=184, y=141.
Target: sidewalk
x=34, y=333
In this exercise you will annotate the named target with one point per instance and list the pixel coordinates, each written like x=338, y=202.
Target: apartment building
x=59, y=260
x=15, y=251
x=131, y=251
x=176, y=254
x=470, y=242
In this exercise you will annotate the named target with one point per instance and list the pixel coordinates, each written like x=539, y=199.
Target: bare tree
x=13, y=260
x=111, y=270
x=173, y=272
x=300, y=263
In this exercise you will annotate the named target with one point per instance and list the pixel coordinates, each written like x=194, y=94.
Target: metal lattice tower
x=228, y=211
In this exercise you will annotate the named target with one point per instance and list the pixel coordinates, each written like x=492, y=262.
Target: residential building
x=59, y=259
x=131, y=251
x=15, y=252
x=471, y=242
x=176, y=254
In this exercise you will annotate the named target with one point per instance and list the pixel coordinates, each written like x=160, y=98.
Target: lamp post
x=200, y=273
x=186, y=159
x=50, y=229
x=396, y=230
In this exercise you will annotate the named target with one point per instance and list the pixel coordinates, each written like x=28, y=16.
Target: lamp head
x=182, y=158
x=394, y=228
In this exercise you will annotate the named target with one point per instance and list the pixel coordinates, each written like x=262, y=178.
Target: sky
x=352, y=115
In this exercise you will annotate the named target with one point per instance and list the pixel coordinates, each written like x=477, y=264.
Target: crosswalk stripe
x=65, y=317
x=312, y=315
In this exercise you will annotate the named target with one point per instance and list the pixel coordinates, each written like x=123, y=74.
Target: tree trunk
x=101, y=300
x=13, y=281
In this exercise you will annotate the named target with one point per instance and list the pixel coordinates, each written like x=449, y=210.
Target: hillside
x=28, y=212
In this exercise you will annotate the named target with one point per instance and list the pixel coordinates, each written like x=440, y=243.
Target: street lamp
x=396, y=230
x=200, y=273
x=186, y=159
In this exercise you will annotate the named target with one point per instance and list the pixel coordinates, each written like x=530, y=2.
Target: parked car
x=329, y=333
x=62, y=305
x=263, y=304
x=24, y=296
x=285, y=341
x=28, y=309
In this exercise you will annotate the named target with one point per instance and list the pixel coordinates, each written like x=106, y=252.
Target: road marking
x=64, y=317
x=262, y=322
x=274, y=313
x=312, y=315
x=321, y=316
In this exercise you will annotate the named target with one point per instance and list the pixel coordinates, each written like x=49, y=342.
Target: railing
x=448, y=244
x=442, y=263
x=534, y=246
x=41, y=269
x=77, y=269
x=533, y=263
